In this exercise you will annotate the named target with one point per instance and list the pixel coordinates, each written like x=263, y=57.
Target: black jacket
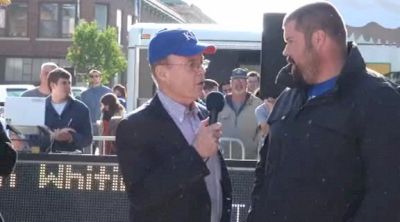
x=335, y=157
x=76, y=116
x=163, y=174
x=7, y=155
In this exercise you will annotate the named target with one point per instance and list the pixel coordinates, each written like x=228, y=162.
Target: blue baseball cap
x=176, y=42
x=239, y=73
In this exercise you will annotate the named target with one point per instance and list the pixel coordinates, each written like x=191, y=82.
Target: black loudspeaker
x=223, y=62
x=272, y=59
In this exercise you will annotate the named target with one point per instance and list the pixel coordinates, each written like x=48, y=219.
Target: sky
x=249, y=13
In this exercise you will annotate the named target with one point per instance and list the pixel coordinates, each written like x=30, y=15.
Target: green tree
x=93, y=48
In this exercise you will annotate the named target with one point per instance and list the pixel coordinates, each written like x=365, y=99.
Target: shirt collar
x=175, y=109
x=321, y=88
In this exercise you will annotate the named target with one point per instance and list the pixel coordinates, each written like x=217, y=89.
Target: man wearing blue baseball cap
x=167, y=151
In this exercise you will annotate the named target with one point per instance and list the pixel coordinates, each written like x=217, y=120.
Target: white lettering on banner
x=11, y=179
x=238, y=206
x=102, y=177
x=67, y=178
x=46, y=179
x=89, y=178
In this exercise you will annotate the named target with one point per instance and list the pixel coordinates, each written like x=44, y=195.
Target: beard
x=308, y=70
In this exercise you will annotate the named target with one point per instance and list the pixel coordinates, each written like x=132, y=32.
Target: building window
x=68, y=20
x=14, y=20
x=48, y=20
x=101, y=16
x=57, y=20
x=27, y=70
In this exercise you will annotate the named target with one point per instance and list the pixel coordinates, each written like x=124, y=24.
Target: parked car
x=12, y=90
x=77, y=90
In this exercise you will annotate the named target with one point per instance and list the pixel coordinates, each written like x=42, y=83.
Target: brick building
x=35, y=31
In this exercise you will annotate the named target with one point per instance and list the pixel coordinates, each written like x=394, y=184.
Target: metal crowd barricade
x=230, y=141
x=103, y=140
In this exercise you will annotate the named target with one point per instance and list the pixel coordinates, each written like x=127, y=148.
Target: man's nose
x=284, y=52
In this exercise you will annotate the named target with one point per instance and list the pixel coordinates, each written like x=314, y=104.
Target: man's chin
x=239, y=92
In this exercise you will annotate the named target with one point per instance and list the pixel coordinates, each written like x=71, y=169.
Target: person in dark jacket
x=167, y=151
x=65, y=116
x=333, y=151
x=8, y=156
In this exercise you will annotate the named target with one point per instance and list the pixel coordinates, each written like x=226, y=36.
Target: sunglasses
x=94, y=76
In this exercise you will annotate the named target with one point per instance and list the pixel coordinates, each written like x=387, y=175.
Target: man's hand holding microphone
x=206, y=142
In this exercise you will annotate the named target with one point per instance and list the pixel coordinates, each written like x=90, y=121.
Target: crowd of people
x=67, y=117
x=331, y=149
x=71, y=123
x=327, y=147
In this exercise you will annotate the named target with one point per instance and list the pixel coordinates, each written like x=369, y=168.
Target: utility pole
x=138, y=9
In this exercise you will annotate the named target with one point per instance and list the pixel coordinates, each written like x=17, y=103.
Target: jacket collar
x=229, y=101
x=353, y=69
x=175, y=109
x=156, y=106
x=69, y=102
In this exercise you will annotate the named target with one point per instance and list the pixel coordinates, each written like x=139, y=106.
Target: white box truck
x=235, y=48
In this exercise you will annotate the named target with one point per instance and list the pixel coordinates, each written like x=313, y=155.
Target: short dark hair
x=56, y=74
x=114, y=105
x=121, y=89
x=209, y=84
x=253, y=74
x=319, y=16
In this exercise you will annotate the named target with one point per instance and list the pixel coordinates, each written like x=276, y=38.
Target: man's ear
x=161, y=73
x=52, y=85
x=318, y=39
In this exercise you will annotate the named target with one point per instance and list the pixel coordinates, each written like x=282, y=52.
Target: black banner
x=87, y=188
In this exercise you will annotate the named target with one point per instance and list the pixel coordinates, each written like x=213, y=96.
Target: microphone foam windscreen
x=215, y=101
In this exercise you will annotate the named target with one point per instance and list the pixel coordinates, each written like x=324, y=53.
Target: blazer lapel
x=169, y=130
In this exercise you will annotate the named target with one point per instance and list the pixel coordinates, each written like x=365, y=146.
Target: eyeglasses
x=192, y=65
x=94, y=76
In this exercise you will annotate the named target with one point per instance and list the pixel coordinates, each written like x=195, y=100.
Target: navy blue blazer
x=163, y=174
